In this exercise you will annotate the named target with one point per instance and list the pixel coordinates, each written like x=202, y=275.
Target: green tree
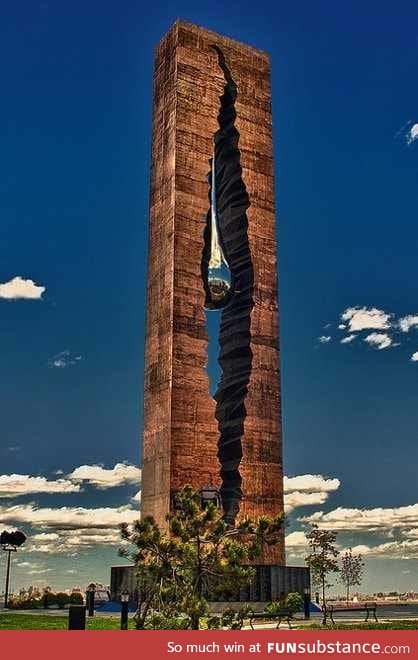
x=157, y=559
x=322, y=559
x=351, y=571
x=76, y=598
x=48, y=598
x=62, y=599
x=201, y=557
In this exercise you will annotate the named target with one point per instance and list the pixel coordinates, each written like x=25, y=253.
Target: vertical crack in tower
x=212, y=104
x=229, y=249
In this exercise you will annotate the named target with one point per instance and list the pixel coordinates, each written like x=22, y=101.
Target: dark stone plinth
x=270, y=583
x=77, y=617
x=275, y=582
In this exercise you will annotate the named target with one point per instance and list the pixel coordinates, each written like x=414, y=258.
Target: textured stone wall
x=180, y=441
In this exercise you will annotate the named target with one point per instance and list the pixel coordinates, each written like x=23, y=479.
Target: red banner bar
x=165, y=644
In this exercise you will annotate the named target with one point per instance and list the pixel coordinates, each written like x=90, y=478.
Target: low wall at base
x=270, y=583
x=275, y=582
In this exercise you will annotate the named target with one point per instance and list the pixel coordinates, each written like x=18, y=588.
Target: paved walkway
x=296, y=623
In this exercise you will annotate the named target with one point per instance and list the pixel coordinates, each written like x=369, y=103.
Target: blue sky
x=75, y=130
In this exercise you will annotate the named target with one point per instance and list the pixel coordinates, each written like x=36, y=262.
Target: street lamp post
x=9, y=550
x=124, y=598
x=10, y=542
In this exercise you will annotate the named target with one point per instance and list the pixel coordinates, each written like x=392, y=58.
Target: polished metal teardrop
x=219, y=272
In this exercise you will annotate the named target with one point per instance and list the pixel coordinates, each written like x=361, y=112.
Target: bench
x=279, y=616
x=369, y=608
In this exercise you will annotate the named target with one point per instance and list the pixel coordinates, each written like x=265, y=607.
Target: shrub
x=231, y=618
x=158, y=621
x=62, y=599
x=275, y=607
x=23, y=603
x=49, y=599
x=14, y=602
x=76, y=598
x=293, y=602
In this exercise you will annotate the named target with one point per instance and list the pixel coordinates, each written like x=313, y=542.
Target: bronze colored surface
x=180, y=429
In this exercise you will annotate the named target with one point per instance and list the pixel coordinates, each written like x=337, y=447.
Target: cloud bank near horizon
x=71, y=530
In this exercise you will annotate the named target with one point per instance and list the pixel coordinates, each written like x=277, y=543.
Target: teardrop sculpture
x=219, y=273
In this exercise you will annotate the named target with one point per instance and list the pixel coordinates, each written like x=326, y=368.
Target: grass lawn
x=16, y=621
x=407, y=624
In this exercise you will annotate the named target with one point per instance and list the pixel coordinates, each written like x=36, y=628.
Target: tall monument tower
x=212, y=246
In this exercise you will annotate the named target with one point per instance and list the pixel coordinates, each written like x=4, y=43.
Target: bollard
x=77, y=617
x=90, y=595
x=306, y=603
x=124, y=597
x=124, y=616
x=90, y=603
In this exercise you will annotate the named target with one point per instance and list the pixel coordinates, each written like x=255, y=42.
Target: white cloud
x=397, y=522
x=92, y=537
x=295, y=540
x=412, y=134
x=324, y=339
x=368, y=520
x=348, y=339
x=12, y=485
x=73, y=541
x=296, y=545
x=48, y=548
x=307, y=490
x=310, y=482
x=393, y=550
x=67, y=517
x=28, y=564
x=44, y=536
x=65, y=529
x=102, y=478
x=64, y=359
x=408, y=322
x=359, y=319
x=365, y=318
x=379, y=340
x=297, y=499
x=410, y=533
x=18, y=289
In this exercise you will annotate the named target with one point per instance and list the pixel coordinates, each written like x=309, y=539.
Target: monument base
x=270, y=583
